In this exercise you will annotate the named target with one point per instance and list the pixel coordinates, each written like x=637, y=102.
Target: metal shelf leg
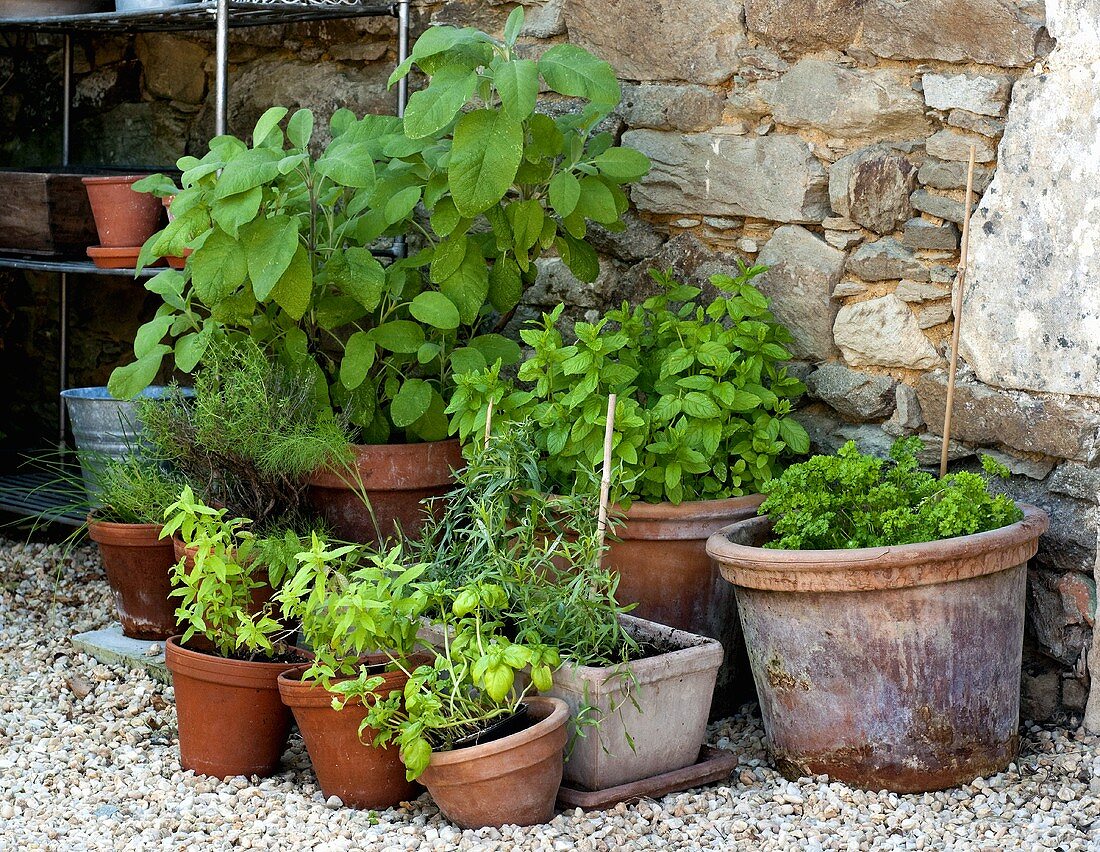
x=63, y=284
x=221, y=61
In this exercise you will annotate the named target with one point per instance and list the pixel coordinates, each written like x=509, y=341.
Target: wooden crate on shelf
x=45, y=212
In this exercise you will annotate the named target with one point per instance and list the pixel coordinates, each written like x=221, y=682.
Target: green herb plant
x=704, y=401
x=853, y=500
x=133, y=489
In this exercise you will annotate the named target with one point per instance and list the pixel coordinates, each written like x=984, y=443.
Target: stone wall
x=824, y=138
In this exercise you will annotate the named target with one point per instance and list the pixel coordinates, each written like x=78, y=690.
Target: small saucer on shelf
x=110, y=257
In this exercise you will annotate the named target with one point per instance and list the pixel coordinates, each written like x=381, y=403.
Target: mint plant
x=851, y=500
x=704, y=402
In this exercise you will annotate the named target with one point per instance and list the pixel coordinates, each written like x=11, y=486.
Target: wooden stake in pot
x=956, y=306
x=488, y=422
x=605, y=476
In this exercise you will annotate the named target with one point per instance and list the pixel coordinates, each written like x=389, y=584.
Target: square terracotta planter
x=666, y=719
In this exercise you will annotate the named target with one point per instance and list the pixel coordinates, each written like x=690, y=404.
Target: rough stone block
x=921, y=291
x=174, y=67
x=952, y=145
x=858, y=396
x=939, y=206
x=922, y=234
x=1076, y=480
x=942, y=174
x=110, y=646
x=883, y=332
x=886, y=260
x=984, y=125
x=871, y=187
x=714, y=174
x=977, y=93
x=668, y=107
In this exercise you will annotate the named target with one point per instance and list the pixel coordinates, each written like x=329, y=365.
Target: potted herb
x=703, y=420
x=281, y=244
x=359, y=613
x=226, y=663
x=883, y=610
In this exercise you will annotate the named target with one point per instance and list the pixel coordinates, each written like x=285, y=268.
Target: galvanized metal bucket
x=104, y=427
x=893, y=668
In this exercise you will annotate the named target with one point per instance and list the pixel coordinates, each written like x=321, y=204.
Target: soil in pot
x=396, y=479
x=346, y=765
x=513, y=780
x=138, y=564
x=123, y=218
x=231, y=718
x=888, y=668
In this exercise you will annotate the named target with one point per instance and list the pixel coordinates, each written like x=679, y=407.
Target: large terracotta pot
x=893, y=668
x=395, y=477
x=138, y=563
x=123, y=218
x=345, y=762
x=231, y=718
x=661, y=558
x=510, y=781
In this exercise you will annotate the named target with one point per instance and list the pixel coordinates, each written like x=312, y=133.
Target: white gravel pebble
x=88, y=761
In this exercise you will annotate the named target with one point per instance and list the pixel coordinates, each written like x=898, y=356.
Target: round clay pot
x=123, y=218
x=138, y=563
x=231, y=718
x=510, y=781
x=889, y=668
x=346, y=764
x=662, y=562
x=396, y=478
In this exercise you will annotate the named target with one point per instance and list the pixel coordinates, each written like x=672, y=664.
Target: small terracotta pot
x=231, y=718
x=123, y=218
x=346, y=764
x=261, y=595
x=180, y=261
x=510, y=781
x=396, y=478
x=138, y=563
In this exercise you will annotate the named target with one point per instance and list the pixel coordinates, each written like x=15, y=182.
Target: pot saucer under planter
x=231, y=718
x=661, y=558
x=125, y=257
x=888, y=668
x=510, y=781
x=138, y=562
x=396, y=479
x=179, y=262
x=663, y=706
x=123, y=217
x=347, y=765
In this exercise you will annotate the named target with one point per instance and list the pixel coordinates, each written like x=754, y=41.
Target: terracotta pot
x=396, y=478
x=231, y=719
x=138, y=563
x=123, y=218
x=662, y=562
x=117, y=258
x=346, y=764
x=179, y=262
x=893, y=668
x=261, y=595
x=510, y=781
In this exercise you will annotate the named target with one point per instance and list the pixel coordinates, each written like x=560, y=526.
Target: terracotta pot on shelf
x=231, y=718
x=138, y=563
x=123, y=218
x=889, y=668
x=510, y=781
x=396, y=478
x=346, y=764
x=662, y=562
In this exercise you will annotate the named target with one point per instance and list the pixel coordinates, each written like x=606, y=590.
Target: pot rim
x=221, y=670
x=875, y=568
x=95, y=180
x=299, y=693
x=432, y=462
x=114, y=532
x=556, y=718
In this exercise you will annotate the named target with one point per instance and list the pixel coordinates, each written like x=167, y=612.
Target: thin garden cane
x=605, y=475
x=956, y=305
x=488, y=422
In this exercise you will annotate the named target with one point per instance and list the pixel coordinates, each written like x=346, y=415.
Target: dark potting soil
x=289, y=655
x=496, y=730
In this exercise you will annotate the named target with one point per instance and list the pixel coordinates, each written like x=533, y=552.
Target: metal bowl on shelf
x=149, y=5
x=22, y=9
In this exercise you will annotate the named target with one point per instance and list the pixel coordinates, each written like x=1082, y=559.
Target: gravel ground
x=88, y=762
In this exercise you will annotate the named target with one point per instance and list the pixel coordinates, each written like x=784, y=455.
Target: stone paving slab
x=110, y=646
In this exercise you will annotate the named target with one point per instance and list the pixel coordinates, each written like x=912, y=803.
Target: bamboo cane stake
x=957, y=304
x=605, y=475
x=488, y=422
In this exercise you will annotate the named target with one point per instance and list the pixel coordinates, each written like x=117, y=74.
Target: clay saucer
x=110, y=257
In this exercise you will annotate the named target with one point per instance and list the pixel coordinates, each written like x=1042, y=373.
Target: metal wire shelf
x=199, y=16
x=83, y=267
x=39, y=495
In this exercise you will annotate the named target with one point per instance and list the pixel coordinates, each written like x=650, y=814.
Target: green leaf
x=447, y=257
x=401, y=204
x=622, y=164
x=485, y=156
x=128, y=381
x=433, y=108
x=517, y=81
x=363, y=277
x=270, y=245
x=401, y=336
x=565, y=192
x=433, y=424
x=496, y=347
x=513, y=26
x=268, y=122
x=699, y=405
x=150, y=334
x=248, y=170
x=347, y=164
x=191, y=347
x=793, y=433
x=469, y=286
x=596, y=201
x=218, y=268
x=299, y=130
x=294, y=289
x=573, y=71
x=436, y=310
x=505, y=285
x=580, y=257
x=357, y=361
x=411, y=402
x=466, y=359
x=445, y=217
x=525, y=217
x=547, y=140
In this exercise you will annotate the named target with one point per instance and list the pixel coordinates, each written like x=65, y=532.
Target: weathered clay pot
x=138, y=563
x=510, y=781
x=661, y=558
x=893, y=668
x=231, y=719
x=123, y=218
x=346, y=764
x=395, y=477
x=668, y=723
